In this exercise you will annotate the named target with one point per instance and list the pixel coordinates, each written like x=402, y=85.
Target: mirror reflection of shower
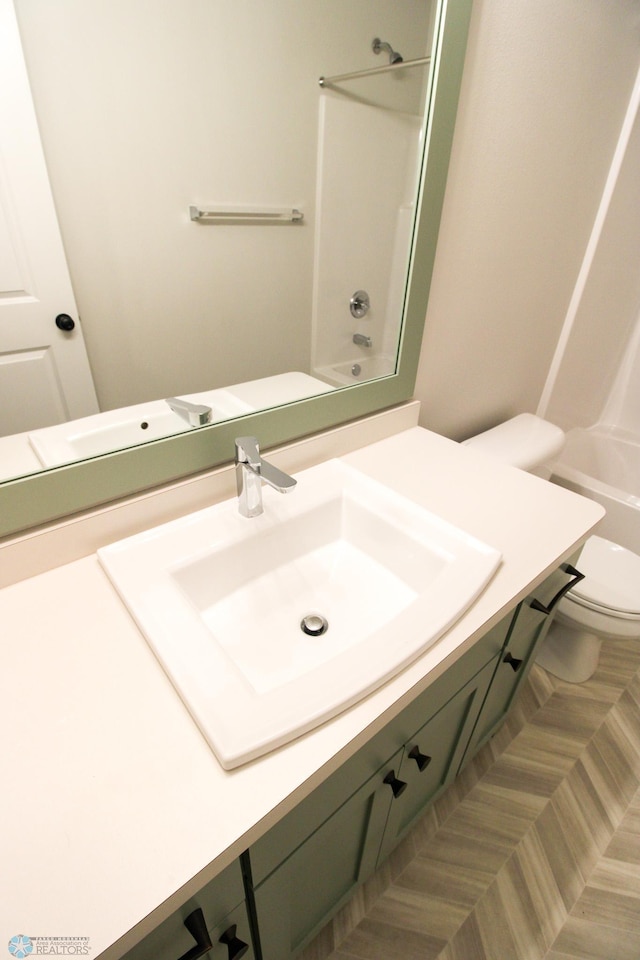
x=370, y=135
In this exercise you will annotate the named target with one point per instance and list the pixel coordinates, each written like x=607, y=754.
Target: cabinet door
x=297, y=899
x=432, y=757
x=528, y=629
x=205, y=919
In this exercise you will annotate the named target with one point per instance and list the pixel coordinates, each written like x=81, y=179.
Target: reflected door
x=44, y=370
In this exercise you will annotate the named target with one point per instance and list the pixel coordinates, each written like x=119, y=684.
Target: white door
x=44, y=370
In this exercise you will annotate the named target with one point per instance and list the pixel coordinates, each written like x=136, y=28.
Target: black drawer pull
x=237, y=948
x=577, y=577
x=513, y=662
x=421, y=759
x=398, y=786
x=198, y=929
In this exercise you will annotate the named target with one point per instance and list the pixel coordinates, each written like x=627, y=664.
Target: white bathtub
x=603, y=463
x=357, y=370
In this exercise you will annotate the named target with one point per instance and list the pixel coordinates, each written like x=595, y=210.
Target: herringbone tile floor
x=534, y=852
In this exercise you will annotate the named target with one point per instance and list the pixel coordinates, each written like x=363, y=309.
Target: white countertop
x=114, y=809
x=17, y=459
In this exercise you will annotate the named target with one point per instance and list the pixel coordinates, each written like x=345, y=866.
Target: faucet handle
x=195, y=414
x=248, y=451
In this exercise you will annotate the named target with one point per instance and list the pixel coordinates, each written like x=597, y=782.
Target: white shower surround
x=602, y=460
x=604, y=465
x=368, y=165
x=563, y=398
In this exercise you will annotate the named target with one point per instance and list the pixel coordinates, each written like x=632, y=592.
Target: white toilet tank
x=525, y=441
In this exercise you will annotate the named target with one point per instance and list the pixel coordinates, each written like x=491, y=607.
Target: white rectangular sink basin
x=221, y=599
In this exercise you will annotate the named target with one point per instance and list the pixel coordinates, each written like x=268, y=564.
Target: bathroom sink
x=269, y=626
x=125, y=427
x=103, y=432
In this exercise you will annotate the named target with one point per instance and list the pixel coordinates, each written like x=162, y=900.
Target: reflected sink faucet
x=196, y=414
x=251, y=470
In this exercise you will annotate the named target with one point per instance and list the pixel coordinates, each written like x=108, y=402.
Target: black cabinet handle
x=421, y=759
x=513, y=662
x=577, y=577
x=236, y=947
x=398, y=786
x=198, y=929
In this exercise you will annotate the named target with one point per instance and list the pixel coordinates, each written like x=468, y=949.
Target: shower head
x=379, y=45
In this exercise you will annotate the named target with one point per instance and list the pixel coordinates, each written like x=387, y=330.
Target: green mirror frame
x=43, y=497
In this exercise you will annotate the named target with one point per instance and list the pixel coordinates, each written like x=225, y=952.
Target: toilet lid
x=611, y=578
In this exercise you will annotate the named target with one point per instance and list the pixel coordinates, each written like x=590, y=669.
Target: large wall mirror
x=223, y=215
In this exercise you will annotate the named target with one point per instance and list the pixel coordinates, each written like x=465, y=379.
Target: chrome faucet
x=362, y=339
x=251, y=470
x=196, y=414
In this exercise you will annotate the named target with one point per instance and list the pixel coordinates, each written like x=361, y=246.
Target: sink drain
x=314, y=625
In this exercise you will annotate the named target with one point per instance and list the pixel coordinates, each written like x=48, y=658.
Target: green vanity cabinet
x=295, y=900
x=433, y=755
x=528, y=628
x=217, y=915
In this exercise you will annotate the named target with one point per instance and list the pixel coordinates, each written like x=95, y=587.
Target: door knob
x=65, y=322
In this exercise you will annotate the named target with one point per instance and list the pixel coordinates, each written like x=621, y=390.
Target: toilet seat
x=611, y=585
x=601, y=608
x=607, y=602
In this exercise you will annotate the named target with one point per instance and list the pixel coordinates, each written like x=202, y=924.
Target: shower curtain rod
x=327, y=81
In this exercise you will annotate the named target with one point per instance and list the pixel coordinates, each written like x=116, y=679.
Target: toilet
x=606, y=603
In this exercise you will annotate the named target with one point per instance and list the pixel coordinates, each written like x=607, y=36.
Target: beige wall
x=544, y=95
